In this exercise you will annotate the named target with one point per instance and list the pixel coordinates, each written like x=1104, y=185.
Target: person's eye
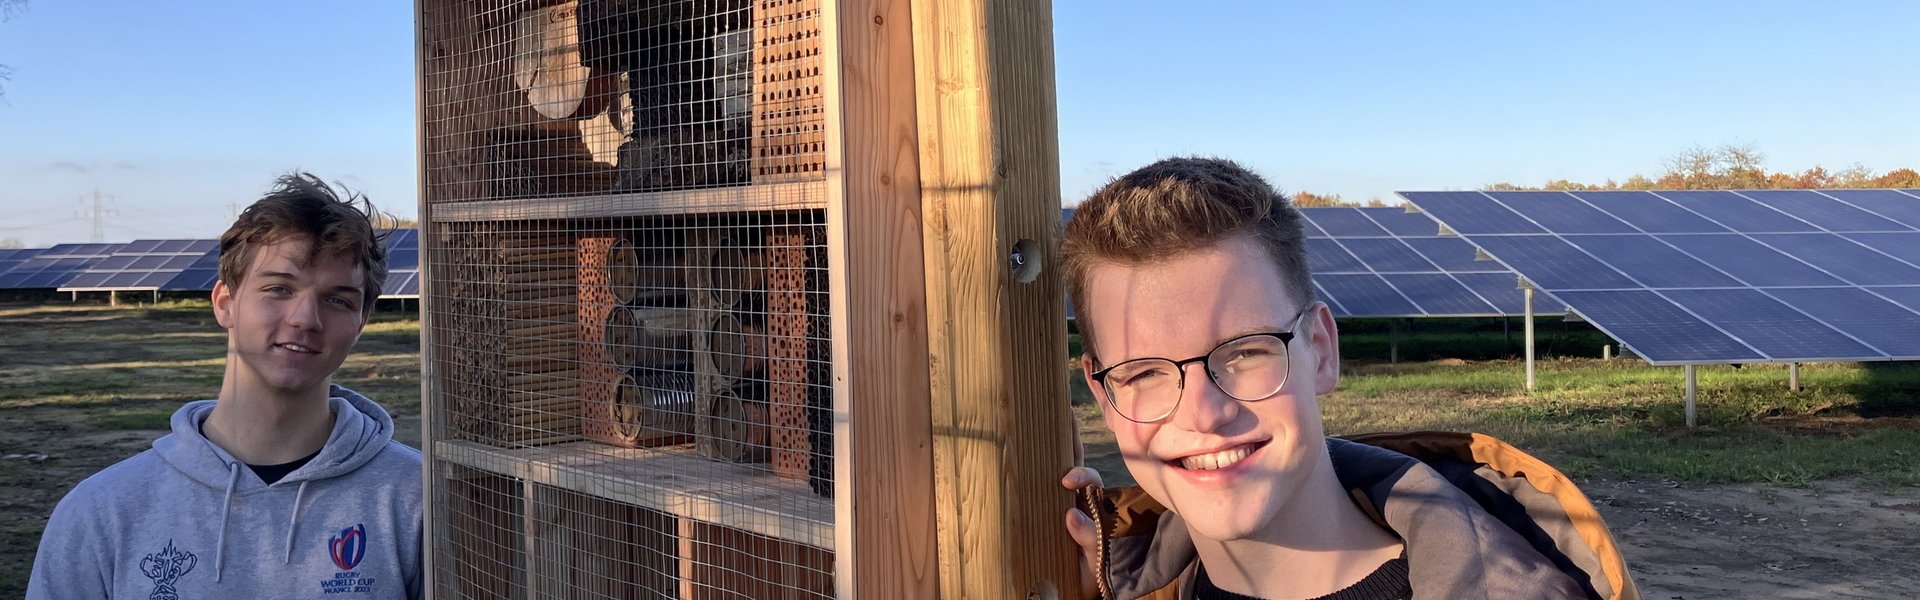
x=278, y=290
x=1142, y=377
x=1251, y=353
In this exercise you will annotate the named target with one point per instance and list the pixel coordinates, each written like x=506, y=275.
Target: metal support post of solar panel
x=1705, y=277
x=719, y=300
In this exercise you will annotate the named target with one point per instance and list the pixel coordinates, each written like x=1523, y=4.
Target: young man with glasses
x=1207, y=353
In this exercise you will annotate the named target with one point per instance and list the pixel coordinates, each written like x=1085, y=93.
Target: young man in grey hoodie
x=285, y=486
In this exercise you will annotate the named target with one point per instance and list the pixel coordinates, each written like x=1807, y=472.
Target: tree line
x=1728, y=167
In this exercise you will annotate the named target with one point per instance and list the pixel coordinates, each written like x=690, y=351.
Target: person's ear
x=1099, y=391
x=1324, y=338
x=223, y=303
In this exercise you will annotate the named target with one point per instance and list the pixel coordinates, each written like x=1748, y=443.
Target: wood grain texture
x=989, y=171
x=883, y=434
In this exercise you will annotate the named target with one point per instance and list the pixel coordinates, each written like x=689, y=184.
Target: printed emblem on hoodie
x=346, y=549
x=165, y=568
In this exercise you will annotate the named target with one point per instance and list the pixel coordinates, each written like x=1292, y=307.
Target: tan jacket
x=1480, y=519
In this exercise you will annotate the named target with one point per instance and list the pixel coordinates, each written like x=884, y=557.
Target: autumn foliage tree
x=1735, y=167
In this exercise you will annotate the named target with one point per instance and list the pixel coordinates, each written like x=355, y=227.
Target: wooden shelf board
x=745, y=198
x=671, y=481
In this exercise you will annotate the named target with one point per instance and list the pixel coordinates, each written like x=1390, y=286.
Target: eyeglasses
x=1248, y=368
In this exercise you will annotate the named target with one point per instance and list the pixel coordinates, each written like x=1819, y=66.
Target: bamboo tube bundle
x=470, y=370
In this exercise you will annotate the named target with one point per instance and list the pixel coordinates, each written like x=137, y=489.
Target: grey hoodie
x=187, y=520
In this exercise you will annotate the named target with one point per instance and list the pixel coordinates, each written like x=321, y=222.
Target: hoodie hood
x=361, y=430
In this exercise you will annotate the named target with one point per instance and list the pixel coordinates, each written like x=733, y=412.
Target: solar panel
x=139, y=265
x=10, y=257
x=1894, y=205
x=1706, y=276
x=403, y=264
x=1386, y=262
x=54, y=266
x=1346, y=222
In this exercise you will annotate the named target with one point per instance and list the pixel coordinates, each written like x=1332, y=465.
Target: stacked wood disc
x=789, y=105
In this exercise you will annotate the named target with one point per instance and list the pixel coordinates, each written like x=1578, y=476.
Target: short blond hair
x=1176, y=206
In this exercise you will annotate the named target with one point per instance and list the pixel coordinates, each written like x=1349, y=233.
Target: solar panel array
x=167, y=265
x=1386, y=262
x=1689, y=277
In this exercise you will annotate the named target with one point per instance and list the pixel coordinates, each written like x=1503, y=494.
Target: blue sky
x=178, y=110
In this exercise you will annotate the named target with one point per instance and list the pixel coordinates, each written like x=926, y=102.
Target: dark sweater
x=1389, y=582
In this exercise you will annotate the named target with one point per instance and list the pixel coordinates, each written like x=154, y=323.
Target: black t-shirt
x=272, y=473
x=1389, y=582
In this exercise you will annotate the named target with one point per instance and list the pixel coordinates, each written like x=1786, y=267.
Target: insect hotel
x=742, y=299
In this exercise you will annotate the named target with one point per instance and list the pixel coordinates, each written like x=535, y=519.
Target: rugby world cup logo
x=349, y=547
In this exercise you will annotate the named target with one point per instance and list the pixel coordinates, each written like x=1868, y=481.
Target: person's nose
x=305, y=313
x=1204, y=407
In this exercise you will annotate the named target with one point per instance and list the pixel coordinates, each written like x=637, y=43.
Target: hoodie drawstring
x=293, y=522
x=226, y=509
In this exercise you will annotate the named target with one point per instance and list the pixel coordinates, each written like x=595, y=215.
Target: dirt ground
x=1684, y=541
x=83, y=388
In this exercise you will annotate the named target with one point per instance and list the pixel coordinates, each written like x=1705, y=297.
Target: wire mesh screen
x=630, y=387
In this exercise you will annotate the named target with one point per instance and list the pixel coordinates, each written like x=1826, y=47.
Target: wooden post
x=1793, y=376
x=989, y=174
x=884, y=500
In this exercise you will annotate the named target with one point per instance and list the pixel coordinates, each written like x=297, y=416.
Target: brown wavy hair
x=1175, y=206
x=340, y=223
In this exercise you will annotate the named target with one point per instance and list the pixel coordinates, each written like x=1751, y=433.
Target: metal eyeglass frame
x=1180, y=366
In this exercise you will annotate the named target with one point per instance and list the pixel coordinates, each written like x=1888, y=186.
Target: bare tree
x=7, y=9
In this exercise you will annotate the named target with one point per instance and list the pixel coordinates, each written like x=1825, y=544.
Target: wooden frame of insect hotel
x=742, y=299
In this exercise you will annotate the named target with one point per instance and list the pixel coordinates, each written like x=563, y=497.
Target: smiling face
x=290, y=321
x=1225, y=466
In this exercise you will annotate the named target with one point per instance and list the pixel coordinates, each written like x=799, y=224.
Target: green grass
x=1622, y=418
x=135, y=420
